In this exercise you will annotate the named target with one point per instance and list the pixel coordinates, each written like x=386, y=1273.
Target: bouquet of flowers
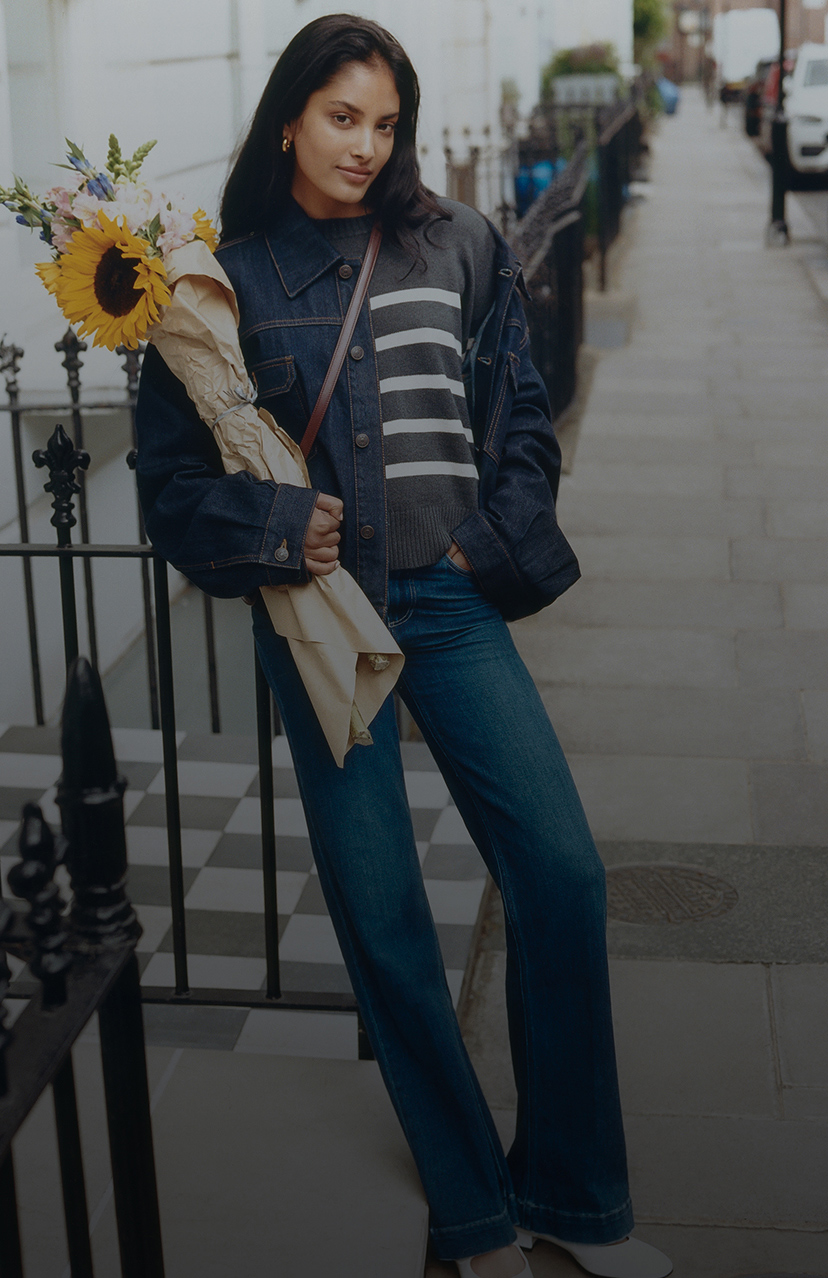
x=128, y=264
x=111, y=238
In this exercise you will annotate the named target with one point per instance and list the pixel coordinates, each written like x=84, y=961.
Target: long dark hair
x=258, y=185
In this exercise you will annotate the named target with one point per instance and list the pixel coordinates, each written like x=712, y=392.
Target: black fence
x=65, y=464
x=71, y=347
x=84, y=962
x=612, y=138
x=549, y=240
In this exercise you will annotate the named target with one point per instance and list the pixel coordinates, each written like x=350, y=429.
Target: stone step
x=266, y=1166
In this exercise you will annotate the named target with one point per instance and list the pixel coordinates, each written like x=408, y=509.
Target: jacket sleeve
x=520, y=557
x=226, y=533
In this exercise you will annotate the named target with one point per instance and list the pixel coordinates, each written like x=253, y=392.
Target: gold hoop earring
x=285, y=144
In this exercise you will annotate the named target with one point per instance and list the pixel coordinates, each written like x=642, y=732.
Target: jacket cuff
x=491, y=562
x=283, y=543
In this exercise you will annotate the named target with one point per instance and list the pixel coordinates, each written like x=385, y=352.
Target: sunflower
x=205, y=230
x=49, y=273
x=110, y=285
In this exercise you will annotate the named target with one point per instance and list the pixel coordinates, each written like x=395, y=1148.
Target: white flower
x=85, y=207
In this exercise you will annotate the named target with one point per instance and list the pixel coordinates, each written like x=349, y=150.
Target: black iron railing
x=612, y=137
x=549, y=240
x=83, y=962
x=17, y=410
x=64, y=464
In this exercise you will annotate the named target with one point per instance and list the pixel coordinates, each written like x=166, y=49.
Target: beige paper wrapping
x=329, y=623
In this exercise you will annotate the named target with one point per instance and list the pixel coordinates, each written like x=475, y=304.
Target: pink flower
x=62, y=196
x=62, y=233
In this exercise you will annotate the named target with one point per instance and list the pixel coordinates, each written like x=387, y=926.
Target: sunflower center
x=115, y=283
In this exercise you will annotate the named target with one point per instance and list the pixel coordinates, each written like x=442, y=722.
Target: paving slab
x=694, y=1038
x=709, y=722
x=672, y=799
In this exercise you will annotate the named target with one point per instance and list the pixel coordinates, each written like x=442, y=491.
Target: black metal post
x=62, y=459
x=75, y=1210
x=71, y=345
x=90, y=796
x=10, y=357
x=264, y=737
x=132, y=368
x=602, y=161
x=11, y=1257
x=212, y=665
x=778, y=230
x=173, y=806
x=130, y=1127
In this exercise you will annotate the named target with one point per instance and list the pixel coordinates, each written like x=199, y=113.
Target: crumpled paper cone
x=345, y=656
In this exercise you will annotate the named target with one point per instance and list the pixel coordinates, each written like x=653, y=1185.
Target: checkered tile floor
x=218, y=779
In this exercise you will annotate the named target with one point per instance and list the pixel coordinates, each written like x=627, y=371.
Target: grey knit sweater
x=423, y=317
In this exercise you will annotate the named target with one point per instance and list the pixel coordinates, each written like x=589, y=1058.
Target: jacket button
x=362, y=440
x=367, y=532
x=345, y=271
x=282, y=553
x=357, y=352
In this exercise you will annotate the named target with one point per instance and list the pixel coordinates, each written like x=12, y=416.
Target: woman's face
x=343, y=139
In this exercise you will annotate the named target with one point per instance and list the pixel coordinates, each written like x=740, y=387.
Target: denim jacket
x=230, y=534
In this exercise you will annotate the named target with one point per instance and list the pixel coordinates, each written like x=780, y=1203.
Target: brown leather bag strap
x=345, y=335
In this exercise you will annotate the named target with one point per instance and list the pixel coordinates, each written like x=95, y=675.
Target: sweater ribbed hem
x=418, y=537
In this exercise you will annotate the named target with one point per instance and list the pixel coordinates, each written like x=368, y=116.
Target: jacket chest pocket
x=280, y=391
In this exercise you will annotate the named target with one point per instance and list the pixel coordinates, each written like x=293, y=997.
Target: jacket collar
x=299, y=251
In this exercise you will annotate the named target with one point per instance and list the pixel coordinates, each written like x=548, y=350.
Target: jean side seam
x=498, y=860
x=512, y=918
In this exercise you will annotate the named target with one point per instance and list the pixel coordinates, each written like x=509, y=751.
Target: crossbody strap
x=345, y=335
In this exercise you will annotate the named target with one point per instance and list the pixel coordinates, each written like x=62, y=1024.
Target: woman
x=434, y=472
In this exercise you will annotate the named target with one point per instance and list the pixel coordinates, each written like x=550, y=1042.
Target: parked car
x=753, y=97
x=806, y=107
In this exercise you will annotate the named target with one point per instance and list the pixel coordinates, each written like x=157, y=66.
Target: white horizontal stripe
x=422, y=381
x=416, y=336
x=427, y=426
x=416, y=295
x=404, y=470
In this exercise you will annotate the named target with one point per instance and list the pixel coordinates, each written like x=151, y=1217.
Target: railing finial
x=72, y=346
x=90, y=796
x=32, y=879
x=10, y=357
x=61, y=459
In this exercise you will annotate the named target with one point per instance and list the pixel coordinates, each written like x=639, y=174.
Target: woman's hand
x=455, y=553
x=322, y=537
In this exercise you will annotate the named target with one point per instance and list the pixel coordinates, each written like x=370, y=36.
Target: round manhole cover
x=666, y=894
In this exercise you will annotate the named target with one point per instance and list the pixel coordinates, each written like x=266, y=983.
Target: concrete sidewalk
x=687, y=675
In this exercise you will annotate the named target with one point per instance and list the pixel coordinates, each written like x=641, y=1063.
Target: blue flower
x=100, y=187
x=22, y=220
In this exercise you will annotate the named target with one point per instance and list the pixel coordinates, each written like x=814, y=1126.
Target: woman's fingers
x=320, y=567
x=333, y=505
x=322, y=537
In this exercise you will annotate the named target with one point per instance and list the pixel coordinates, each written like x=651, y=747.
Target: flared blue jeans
x=482, y=717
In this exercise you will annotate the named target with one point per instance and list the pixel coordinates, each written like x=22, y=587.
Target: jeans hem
x=457, y=1242
x=577, y=1227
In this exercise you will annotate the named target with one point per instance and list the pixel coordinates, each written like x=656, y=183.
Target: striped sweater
x=423, y=317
